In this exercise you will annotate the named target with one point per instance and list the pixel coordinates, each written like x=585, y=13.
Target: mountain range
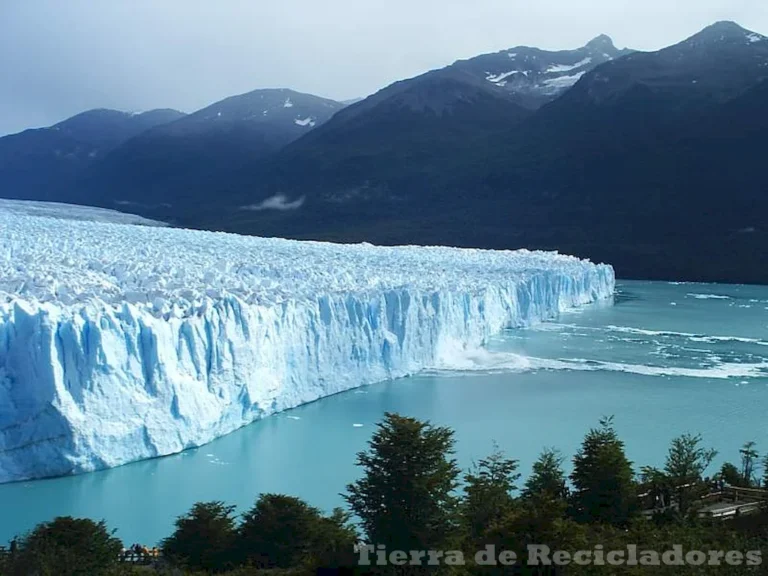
x=44, y=163
x=648, y=160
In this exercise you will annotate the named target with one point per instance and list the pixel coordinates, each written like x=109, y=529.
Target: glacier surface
x=74, y=212
x=122, y=342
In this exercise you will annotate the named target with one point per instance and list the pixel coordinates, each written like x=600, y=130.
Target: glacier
x=74, y=212
x=121, y=342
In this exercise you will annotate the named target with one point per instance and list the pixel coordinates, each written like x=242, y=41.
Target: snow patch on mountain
x=561, y=82
x=560, y=68
x=121, y=342
x=308, y=121
x=499, y=78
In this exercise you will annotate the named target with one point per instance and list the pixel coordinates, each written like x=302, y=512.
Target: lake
x=663, y=359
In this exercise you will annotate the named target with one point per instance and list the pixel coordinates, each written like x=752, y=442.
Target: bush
x=67, y=547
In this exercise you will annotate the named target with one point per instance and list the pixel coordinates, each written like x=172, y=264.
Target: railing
x=734, y=493
x=141, y=557
x=759, y=494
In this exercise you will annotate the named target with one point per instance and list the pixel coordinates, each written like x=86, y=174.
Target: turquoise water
x=664, y=359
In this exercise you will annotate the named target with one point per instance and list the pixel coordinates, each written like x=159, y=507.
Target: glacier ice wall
x=120, y=342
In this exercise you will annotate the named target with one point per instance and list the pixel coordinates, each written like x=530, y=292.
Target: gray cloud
x=277, y=202
x=60, y=57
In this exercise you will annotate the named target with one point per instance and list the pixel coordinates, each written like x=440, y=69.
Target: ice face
x=121, y=342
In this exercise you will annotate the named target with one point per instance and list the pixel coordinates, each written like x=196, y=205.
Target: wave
x=709, y=296
x=489, y=362
x=688, y=335
x=552, y=327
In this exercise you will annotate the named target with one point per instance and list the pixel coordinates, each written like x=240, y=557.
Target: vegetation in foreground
x=412, y=496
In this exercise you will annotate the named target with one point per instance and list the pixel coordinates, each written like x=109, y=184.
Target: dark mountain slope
x=386, y=147
x=41, y=164
x=652, y=162
x=377, y=153
x=638, y=164
x=533, y=76
x=397, y=143
x=180, y=162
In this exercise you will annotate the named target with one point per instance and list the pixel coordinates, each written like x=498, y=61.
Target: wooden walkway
x=732, y=501
x=727, y=503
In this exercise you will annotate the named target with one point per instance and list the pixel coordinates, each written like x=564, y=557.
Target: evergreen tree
x=333, y=545
x=547, y=480
x=685, y=466
x=603, y=478
x=488, y=493
x=67, y=547
x=405, y=496
x=545, y=495
x=764, y=483
x=730, y=475
x=656, y=484
x=748, y=457
x=204, y=538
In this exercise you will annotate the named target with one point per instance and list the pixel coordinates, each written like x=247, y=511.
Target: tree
x=656, y=484
x=547, y=479
x=685, y=466
x=67, y=547
x=278, y=532
x=545, y=495
x=405, y=496
x=748, y=457
x=536, y=518
x=603, y=478
x=730, y=474
x=764, y=483
x=334, y=542
x=687, y=460
x=527, y=526
x=488, y=493
x=204, y=538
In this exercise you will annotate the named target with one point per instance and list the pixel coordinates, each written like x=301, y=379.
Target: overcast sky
x=60, y=57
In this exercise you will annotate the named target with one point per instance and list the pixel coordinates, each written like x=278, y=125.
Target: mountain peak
x=601, y=42
x=725, y=26
x=723, y=31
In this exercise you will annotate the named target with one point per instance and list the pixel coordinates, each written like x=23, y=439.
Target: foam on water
x=667, y=353
x=644, y=332
x=709, y=296
x=481, y=360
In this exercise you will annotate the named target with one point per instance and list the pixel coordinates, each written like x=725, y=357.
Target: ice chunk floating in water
x=121, y=342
